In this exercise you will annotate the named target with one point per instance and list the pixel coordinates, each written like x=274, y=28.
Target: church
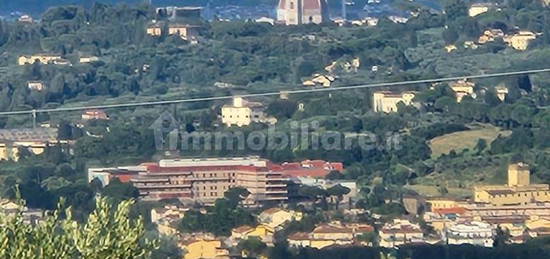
x=296, y=12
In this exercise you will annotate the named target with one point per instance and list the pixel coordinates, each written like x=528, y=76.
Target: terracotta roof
x=332, y=229
x=455, y=210
x=299, y=236
x=312, y=4
x=401, y=229
x=242, y=229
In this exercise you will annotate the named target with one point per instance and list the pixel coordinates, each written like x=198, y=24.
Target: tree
x=481, y=145
x=450, y=35
x=252, y=247
x=120, y=191
x=109, y=232
x=334, y=175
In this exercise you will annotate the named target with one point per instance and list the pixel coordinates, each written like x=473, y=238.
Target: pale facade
x=519, y=190
x=502, y=92
x=88, y=59
x=325, y=235
x=36, y=85
x=243, y=113
x=520, y=40
x=185, y=31
x=474, y=233
x=463, y=88
x=479, y=8
x=296, y=12
x=276, y=217
x=385, y=101
x=400, y=232
x=41, y=58
x=204, y=249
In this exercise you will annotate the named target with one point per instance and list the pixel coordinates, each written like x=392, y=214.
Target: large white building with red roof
x=296, y=12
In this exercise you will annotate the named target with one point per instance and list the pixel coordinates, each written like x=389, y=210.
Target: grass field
x=464, y=139
x=432, y=191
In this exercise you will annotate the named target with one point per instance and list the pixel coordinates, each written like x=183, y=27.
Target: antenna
x=344, y=11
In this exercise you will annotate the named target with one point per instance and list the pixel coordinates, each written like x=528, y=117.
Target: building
x=178, y=13
x=490, y=35
x=36, y=85
x=204, y=248
x=325, y=235
x=154, y=29
x=263, y=232
x=479, y=8
x=442, y=203
x=276, y=217
x=463, y=88
x=519, y=189
x=308, y=168
x=520, y=40
x=243, y=113
x=296, y=12
x=88, y=59
x=34, y=140
x=400, y=232
x=41, y=58
x=167, y=218
x=474, y=233
x=502, y=92
x=30, y=216
x=185, y=31
x=94, y=114
x=201, y=179
x=25, y=19
x=320, y=80
x=385, y=101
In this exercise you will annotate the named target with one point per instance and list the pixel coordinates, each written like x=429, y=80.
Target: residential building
x=308, y=168
x=450, y=48
x=520, y=40
x=319, y=80
x=179, y=12
x=276, y=217
x=25, y=19
x=474, y=233
x=154, y=29
x=483, y=210
x=123, y=173
x=201, y=179
x=263, y=232
x=385, y=101
x=88, y=59
x=34, y=140
x=334, y=233
x=41, y=58
x=479, y=8
x=296, y=12
x=185, y=31
x=440, y=203
x=30, y=216
x=502, y=92
x=400, y=232
x=490, y=35
x=204, y=248
x=36, y=85
x=519, y=189
x=243, y=113
x=94, y=114
x=463, y=88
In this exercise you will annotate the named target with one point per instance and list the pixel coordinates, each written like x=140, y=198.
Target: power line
x=213, y=98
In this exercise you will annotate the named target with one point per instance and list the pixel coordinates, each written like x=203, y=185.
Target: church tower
x=296, y=12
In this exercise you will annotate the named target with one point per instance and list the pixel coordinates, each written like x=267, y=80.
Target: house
x=243, y=113
x=519, y=189
x=520, y=40
x=185, y=31
x=330, y=234
x=502, y=92
x=398, y=19
x=463, y=88
x=88, y=59
x=474, y=233
x=385, y=101
x=296, y=12
x=470, y=45
x=479, y=8
x=30, y=216
x=204, y=248
x=34, y=140
x=308, y=168
x=179, y=12
x=41, y=58
x=36, y=85
x=320, y=80
x=490, y=35
x=450, y=48
x=400, y=232
x=154, y=29
x=262, y=231
x=167, y=218
x=94, y=114
x=25, y=19
x=276, y=217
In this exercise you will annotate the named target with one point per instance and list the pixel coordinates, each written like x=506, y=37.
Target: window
x=291, y=5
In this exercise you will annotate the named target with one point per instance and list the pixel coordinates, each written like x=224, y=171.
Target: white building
x=296, y=12
x=474, y=233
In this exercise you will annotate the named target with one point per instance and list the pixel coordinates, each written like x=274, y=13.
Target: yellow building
x=319, y=80
x=520, y=40
x=154, y=29
x=490, y=35
x=519, y=190
x=263, y=232
x=243, y=113
x=479, y=8
x=329, y=234
x=185, y=31
x=462, y=88
x=443, y=203
x=384, y=101
x=42, y=58
x=450, y=48
x=276, y=217
x=34, y=140
x=204, y=249
x=502, y=92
